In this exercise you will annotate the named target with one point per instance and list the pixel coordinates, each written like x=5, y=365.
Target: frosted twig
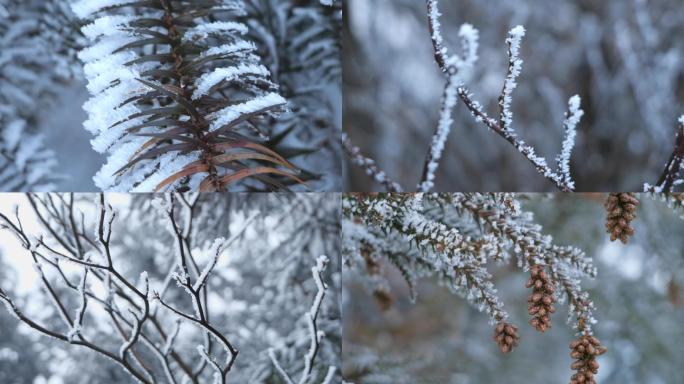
x=135, y=332
x=80, y=312
x=368, y=165
x=510, y=84
x=168, y=346
x=330, y=375
x=503, y=127
x=314, y=335
x=441, y=133
x=440, y=51
x=316, y=271
x=672, y=174
x=215, y=252
x=218, y=374
x=217, y=249
x=451, y=66
x=573, y=117
x=278, y=367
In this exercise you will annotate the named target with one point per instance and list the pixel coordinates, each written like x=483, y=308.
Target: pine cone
x=621, y=208
x=540, y=303
x=384, y=299
x=506, y=336
x=584, y=350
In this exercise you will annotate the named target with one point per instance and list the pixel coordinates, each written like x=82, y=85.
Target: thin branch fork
x=450, y=66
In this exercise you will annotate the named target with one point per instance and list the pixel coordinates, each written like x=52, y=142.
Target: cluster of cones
x=540, y=303
x=506, y=336
x=584, y=350
x=621, y=208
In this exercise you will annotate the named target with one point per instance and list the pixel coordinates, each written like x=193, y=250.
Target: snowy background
x=622, y=57
x=443, y=339
x=259, y=291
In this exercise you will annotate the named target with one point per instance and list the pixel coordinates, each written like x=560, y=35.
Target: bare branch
x=672, y=174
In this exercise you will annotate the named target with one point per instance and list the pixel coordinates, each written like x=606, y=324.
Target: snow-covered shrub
x=253, y=302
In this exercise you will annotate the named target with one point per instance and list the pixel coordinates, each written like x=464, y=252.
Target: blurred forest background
x=623, y=57
x=258, y=293
x=443, y=339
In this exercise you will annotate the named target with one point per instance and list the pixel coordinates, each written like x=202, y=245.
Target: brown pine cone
x=540, y=303
x=384, y=299
x=584, y=350
x=621, y=209
x=506, y=336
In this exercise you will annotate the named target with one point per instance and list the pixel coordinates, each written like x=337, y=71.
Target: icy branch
x=439, y=139
x=504, y=126
x=514, y=67
x=278, y=367
x=673, y=174
x=216, y=251
x=314, y=335
x=168, y=346
x=80, y=312
x=135, y=332
x=218, y=374
x=369, y=165
x=573, y=118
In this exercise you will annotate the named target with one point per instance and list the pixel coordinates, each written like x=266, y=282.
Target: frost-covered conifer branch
x=455, y=237
x=459, y=260
x=673, y=174
x=300, y=43
x=171, y=97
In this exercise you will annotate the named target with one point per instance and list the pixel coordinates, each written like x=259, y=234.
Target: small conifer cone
x=384, y=299
x=506, y=336
x=621, y=209
x=584, y=350
x=540, y=303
